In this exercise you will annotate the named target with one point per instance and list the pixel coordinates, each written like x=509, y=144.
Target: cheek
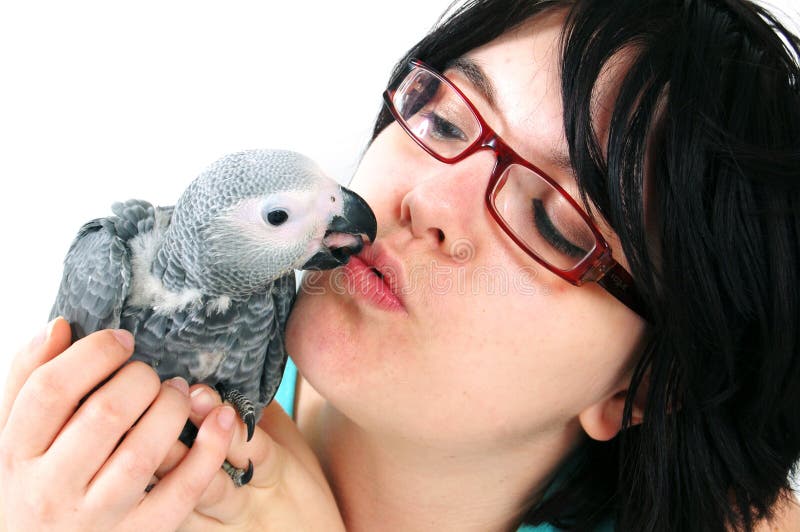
x=345, y=352
x=522, y=363
x=316, y=328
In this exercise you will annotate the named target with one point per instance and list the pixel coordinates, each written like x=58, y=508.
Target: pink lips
x=379, y=289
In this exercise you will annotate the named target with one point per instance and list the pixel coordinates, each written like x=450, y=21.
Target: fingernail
x=225, y=417
x=202, y=402
x=45, y=333
x=125, y=338
x=180, y=384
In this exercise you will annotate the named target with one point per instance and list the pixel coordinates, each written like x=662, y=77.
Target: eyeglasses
x=534, y=210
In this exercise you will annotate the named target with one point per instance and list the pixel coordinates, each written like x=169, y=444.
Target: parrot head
x=256, y=215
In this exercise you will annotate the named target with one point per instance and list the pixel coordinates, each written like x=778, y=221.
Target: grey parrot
x=206, y=286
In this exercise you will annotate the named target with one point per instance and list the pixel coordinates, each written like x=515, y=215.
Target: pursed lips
x=386, y=267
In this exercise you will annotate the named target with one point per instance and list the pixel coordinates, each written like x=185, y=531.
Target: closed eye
x=544, y=224
x=443, y=129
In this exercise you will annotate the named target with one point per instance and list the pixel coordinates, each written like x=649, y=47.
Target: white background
x=103, y=101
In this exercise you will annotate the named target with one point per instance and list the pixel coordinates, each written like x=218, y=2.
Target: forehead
x=523, y=67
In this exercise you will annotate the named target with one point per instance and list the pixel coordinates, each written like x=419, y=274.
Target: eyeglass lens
x=537, y=213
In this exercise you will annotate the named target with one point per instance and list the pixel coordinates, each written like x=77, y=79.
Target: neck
x=177, y=256
x=168, y=267
x=181, y=266
x=382, y=483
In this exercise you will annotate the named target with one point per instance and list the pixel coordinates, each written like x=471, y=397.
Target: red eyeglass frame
x=598, y=266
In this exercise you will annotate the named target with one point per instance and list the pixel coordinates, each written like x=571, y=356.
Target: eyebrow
x=481, y=81
x=475, y=74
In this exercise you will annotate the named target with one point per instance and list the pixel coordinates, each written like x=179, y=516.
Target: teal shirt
x=285, y=397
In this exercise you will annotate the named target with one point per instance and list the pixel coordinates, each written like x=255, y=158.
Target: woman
x=466, y=372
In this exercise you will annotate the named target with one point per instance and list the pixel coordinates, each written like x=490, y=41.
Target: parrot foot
x=243, y=406
x=240, y=477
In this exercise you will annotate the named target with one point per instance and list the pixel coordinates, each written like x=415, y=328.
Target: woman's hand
x=72, y=464
x=288, y=490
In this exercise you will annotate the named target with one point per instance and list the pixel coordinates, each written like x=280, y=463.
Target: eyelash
x=444, y=128
x=545, y=226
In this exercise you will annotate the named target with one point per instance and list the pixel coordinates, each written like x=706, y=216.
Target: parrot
x=206, y=286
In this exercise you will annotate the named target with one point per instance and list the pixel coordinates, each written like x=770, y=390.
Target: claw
x=250, y=421
x=247, y=476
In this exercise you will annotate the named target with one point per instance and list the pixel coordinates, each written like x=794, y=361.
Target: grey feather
x=206, y=287
x=96, y=278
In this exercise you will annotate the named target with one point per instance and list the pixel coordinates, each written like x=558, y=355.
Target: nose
x=446, y=205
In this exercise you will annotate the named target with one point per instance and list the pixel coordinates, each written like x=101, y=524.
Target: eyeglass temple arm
x=619, y=283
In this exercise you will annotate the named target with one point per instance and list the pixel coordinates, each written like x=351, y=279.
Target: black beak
x=344, y=234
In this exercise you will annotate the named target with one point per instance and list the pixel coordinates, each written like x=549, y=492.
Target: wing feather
x=97, y=269
x=283, y=295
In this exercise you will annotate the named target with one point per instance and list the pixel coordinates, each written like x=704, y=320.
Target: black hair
x=707, y=126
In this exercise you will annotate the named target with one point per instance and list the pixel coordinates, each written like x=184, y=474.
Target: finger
x=275, y=462
x=204, y=399
x=268, y=447
x=90, y=436
x=52, y=392
x=174, y=497
x=226, y=503
x=176, y=453
x=222, y=501
x=50, y=342
x=130, y=468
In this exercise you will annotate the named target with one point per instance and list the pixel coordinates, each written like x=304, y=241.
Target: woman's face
x=476, y=345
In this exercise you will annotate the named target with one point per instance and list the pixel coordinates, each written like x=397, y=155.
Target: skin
x=459, y=407
x=484, y=389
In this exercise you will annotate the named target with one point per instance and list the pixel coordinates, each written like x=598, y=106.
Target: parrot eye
x=277, y=217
